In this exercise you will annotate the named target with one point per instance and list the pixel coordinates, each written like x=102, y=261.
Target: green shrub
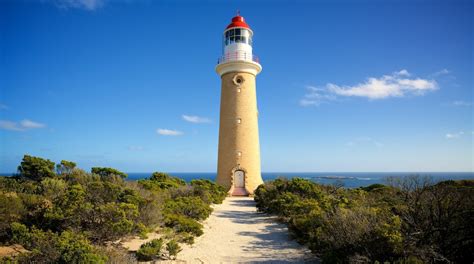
x=77, y=249
x=410, y=221
x=192, y=207
x=165, y=181
x=53, y=188
x=11, y=210
x=114, y=220
x=49, y=247
x=186, y=238
x=20, y=234
x=150, y=250
x=173, y=249
x=374, y=187
x=209, y=191
x=65, y=167
x=55, y=216
x=185, y=224
x=107, y=173
x=35, y=168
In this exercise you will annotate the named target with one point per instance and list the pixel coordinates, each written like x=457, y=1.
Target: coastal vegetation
x=62, y=214
x=409, y=220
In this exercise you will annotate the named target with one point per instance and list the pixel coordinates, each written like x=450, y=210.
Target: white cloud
x=168, y=132
x=28, y=124
x=316, y=96
x=20, y=126
x=9, y=125
x=196, y=119
x=441, y=72
x=461, y=103
x=402, y=73
x=397, y=84
x=454, y=135
x=81, y=4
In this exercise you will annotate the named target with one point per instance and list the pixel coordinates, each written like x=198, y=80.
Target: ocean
x=348, y=179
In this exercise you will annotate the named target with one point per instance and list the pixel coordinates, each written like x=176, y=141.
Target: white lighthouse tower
x=238, y=166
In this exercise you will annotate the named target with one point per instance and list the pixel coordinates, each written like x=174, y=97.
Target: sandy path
x=236, y=232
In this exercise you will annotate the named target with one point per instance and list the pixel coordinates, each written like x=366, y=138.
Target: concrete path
x=236, y=233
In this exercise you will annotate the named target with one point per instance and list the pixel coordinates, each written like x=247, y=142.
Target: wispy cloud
x=454, y=135
x=196, y=119
x=81, y=4
x=168, y=132
x=3, y=106
x=397, y=84
x=316, y=96
x=20, y=126
x=461, y=103
x=28, y=124
x=364, y=140
x=441, y=72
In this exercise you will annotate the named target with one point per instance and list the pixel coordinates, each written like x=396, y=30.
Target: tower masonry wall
x=239, y=147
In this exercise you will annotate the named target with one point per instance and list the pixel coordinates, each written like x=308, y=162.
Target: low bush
x=49, y=247
x=150, y=250
x=173, y=249
x=46, y=209
x=192, y=207
x=209, y=191
x=183, y=224
x=411, y=221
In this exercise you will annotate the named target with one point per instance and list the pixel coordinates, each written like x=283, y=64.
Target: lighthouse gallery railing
x=237, y=56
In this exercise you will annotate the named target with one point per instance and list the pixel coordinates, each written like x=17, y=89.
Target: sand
x=235, y=233
x=134, y=243
x=11, y=251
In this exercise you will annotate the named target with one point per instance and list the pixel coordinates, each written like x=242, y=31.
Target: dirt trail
x=235, y=233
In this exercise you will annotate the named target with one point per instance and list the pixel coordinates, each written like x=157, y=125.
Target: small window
x=239, y=153
x=231, y=32
x=237, y=31
x=239, y=120
x=227, y=34
x=238, y=90
x=238, y=80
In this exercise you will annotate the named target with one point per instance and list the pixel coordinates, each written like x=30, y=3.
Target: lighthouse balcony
x=238, y=56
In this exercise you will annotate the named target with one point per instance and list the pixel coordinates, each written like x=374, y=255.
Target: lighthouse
x=238, y=165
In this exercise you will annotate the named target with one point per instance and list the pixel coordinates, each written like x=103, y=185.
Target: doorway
x=239, y=183
x=239, y=179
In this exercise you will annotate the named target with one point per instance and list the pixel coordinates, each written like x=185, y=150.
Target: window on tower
x=238, y=35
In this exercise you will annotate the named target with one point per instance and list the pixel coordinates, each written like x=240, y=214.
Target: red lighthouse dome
x=238, y=22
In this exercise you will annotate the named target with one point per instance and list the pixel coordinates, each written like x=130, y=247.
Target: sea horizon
x=346, y=179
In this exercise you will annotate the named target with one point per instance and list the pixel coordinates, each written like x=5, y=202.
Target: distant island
x=335, y=177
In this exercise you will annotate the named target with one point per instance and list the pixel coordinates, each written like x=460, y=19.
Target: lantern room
x=237, y=41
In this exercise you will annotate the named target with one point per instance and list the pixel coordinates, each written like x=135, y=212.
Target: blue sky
x=345, y=86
